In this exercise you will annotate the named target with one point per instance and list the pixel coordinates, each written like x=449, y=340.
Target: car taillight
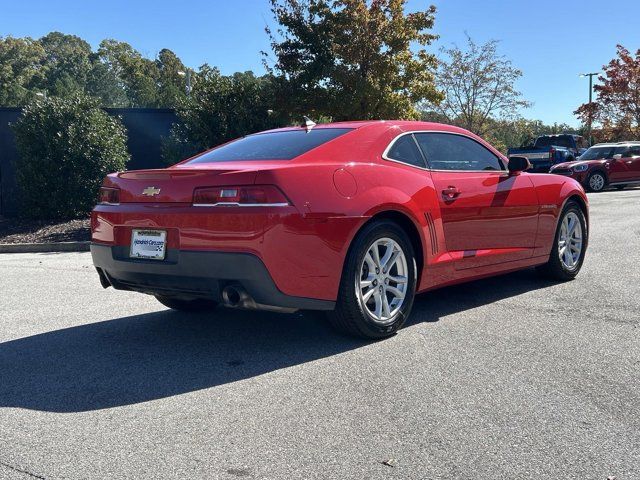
x=109, y=195
x=242, y=196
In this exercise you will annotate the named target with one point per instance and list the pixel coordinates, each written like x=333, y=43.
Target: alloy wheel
x=570, y=241
x=596, y=182
x=383, y=280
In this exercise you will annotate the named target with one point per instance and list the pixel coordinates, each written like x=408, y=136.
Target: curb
x=44, y=247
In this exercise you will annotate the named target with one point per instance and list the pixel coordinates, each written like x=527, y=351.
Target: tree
x=617, y=107
x=478, y=85
x=520, y=132
x=221, y=108
x=504, y=133
x=171, y=83
x=66, y=64
x=66, y=146
x=352, y=59
x=105, y=82
x=136, y=76
x=20, y=69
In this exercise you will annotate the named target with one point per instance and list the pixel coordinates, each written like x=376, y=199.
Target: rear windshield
x=283, y=145
x=560, y=141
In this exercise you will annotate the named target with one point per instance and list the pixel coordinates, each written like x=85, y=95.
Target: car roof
x=555, y=135
x=617, y=144
x=356, y=124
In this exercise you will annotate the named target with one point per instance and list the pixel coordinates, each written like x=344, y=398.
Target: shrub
x=66, y=147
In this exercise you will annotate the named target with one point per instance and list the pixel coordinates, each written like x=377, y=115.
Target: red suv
x=615, y=164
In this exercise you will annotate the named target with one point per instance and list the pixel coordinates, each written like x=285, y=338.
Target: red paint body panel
x=497, y=223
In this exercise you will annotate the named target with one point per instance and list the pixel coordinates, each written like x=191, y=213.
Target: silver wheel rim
x=596, y=182
x=382, y=281
x=570, y=241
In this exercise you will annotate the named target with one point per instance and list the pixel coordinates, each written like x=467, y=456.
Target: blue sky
x=550, y=41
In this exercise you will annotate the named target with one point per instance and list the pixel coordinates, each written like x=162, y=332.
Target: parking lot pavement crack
x=20, y=470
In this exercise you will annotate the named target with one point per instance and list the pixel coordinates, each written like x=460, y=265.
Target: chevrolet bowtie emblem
x=151, y=191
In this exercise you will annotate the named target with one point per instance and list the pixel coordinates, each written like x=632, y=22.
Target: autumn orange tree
x=617, y=105
x=352, y=59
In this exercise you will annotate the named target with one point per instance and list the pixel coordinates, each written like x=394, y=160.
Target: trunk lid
x=174, y=185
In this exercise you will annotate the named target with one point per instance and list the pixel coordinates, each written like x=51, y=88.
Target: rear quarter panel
x=329, y=218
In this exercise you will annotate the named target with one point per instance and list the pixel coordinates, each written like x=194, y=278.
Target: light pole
x=590, y=75
x=188, y=75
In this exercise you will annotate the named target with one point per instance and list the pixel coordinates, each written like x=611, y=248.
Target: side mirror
x=518, y=164
x=617, y=156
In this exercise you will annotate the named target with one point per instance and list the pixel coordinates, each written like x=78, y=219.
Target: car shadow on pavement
x=144, y=357
x=433, y=305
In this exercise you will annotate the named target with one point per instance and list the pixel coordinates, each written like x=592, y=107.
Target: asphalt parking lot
x=512, y=377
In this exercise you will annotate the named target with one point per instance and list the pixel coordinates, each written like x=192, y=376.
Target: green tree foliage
x=520, y=132
x=106, y=80
x=171, y=78
x=66, y=65
x=221, y=108
x=66, y=147
x=478, y=86
x=136, y=77
x=504, y=133
x=20, y=69
x=352, y=59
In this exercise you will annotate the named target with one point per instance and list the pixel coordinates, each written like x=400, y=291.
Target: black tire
x=591, y=185
x=350, y=316
x=620, y=187
x=555, y=268
x=195, y=305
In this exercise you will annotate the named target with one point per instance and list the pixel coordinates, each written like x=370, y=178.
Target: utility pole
x=590, y=75
x=188, y=77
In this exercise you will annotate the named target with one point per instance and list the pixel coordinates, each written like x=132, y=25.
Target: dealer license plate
x=149, y=244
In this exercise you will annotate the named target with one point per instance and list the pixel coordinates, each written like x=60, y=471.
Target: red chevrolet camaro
x=353, y=218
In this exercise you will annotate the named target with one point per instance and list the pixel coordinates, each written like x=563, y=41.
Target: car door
x=616, y=164
x=630, y=164
x=488, y=216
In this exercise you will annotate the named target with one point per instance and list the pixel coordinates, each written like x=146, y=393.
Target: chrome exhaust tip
x=237, y=297
x=234, y=296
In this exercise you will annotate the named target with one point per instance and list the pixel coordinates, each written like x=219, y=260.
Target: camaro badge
x=151, y=191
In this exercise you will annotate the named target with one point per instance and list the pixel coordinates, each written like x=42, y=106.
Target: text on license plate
x=150, y=244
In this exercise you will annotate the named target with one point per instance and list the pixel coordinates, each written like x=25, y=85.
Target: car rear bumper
x=197, y=274
x=303, y=254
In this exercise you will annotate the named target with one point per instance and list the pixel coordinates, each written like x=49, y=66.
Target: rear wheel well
x=410, y=229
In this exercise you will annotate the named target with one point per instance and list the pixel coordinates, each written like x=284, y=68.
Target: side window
x=405, y=150
x=634, y=151
x=623, y=151
x=446, y=151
